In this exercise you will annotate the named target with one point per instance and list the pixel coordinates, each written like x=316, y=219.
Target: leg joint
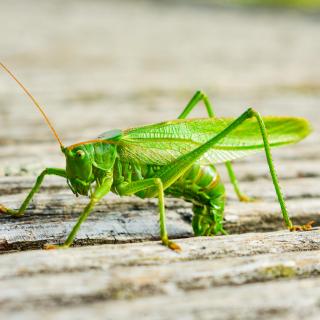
x=94, y=200
x=252, y=113
x=41, y=175
x=158, y=182
x=45, y=171
x=201, y=94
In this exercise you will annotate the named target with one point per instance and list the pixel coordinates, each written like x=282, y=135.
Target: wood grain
x=99, y=65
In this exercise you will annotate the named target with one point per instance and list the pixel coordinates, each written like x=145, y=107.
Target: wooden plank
x=88, y=89
x=279, y=300
x=94, y=278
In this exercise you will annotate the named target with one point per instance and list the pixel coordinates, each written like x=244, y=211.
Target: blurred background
x=97, y=65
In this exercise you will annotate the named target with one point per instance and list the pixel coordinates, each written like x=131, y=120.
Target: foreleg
x=36, y=187
x=99, y=193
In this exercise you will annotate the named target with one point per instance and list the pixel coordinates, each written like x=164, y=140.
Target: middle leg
x=143, y=185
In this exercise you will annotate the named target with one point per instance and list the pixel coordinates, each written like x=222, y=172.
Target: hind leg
x=198, y=97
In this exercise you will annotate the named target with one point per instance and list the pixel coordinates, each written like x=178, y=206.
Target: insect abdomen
x=202, y=186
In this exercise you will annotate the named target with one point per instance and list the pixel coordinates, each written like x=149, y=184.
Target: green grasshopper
x=174, y=158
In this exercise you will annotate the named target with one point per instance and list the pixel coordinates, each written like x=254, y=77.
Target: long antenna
x=34, y=101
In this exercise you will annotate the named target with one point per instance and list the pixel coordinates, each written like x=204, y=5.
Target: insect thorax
x=198, y=184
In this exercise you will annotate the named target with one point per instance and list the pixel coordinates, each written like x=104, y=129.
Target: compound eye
x=80, y=154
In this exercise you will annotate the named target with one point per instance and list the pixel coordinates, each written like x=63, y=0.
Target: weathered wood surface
x=225, y=278
x=99, y=65
x=53, y=214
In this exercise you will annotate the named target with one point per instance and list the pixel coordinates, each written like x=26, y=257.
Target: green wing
x=161, y=143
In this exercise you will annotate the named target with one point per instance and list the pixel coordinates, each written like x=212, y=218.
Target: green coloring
x=174, y=158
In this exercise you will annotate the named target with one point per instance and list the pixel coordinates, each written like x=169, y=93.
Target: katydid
x=174, y=158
